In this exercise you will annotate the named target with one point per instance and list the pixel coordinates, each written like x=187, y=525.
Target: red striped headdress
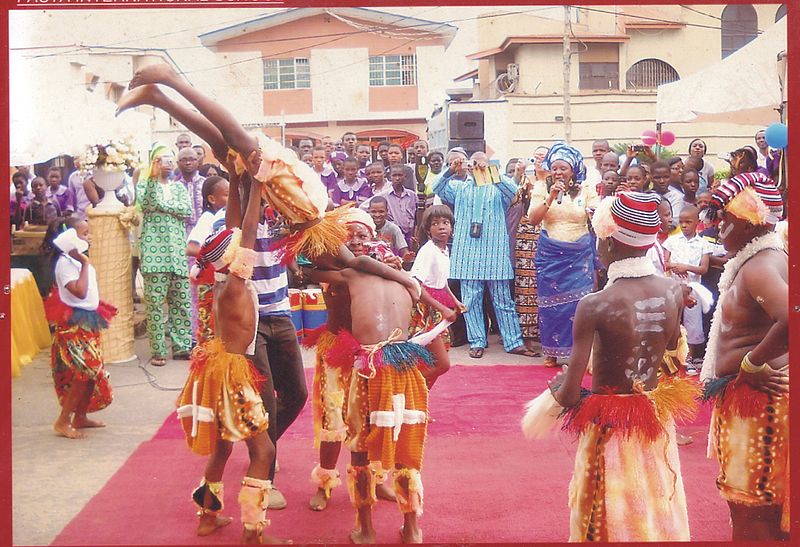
x=750, y=196
x=629, y=217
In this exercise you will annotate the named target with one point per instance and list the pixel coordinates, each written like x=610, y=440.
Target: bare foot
x=272, y=540
x=66, y=430
x=385, y=492
x=319, y=501
x=159, y=73
x=83, y=422
x=362, y=538
x=146, y=94
x=407, y=535
x=210, y=522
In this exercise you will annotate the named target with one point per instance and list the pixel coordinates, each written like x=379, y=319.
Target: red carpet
x=483, y=481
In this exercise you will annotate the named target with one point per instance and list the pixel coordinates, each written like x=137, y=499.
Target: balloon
x=649, y=137
x=777, y=135
x=667, y=138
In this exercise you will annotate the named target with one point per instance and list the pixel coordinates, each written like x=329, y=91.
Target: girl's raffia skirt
x=749, y=437
x=76, y=356
x=220, y=399
x=329, y=388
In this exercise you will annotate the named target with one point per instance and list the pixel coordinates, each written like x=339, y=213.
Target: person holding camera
x=480, y=230
x=565, y=251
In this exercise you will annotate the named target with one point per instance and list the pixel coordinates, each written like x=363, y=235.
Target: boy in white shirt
x=686, y=256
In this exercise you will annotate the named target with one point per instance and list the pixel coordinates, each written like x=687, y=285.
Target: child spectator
x=58, y=192
x=363, y=155
x=637, y=179
x=326, y=174
x=377, y=183
x=690, y=181
x=656, y=252
x=609, y=183
x=20, y=199
x=432, y=269
x=337, y=164
x=350, y=188
x=41, y=210
x=698, y=164
x=702, y=201
x=675, y=172
x=716, y=263
x=395, y=157
x=385, y=230
x=215, y=199
x=687, y=258
x=74, y=306
x=402, y=202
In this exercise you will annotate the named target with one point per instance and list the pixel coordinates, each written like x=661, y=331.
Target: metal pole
x=567, y=59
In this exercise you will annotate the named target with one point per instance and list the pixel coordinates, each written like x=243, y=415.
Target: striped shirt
x=269, y=275
x=485, y=257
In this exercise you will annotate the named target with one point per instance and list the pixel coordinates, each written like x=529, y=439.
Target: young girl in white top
x=74, y=306
x=432, y=269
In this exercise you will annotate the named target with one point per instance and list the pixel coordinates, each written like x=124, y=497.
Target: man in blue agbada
x=480, y=256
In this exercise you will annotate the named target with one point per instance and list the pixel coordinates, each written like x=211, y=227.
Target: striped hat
x=629, y=217
x=761, y=186
x=214, y=252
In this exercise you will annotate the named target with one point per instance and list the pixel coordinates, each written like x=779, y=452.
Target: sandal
x=182, y=356
x=476, y=353
x=157, y=361
x=522, y=350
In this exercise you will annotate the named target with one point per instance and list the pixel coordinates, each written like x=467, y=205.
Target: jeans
x=277, y=357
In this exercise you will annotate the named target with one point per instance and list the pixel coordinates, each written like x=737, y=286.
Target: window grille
x=648, y=74
x=287, y=74
x=392, y=70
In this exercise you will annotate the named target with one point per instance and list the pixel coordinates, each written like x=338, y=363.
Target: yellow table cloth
x=29, y=330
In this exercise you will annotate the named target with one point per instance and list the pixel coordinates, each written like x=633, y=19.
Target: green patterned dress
x=165, y=207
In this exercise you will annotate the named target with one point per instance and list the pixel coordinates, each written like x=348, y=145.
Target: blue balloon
x=777, y=135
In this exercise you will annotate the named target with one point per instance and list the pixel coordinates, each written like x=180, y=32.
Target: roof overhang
x=548, y=39
x=466, y=76
x=378, y=18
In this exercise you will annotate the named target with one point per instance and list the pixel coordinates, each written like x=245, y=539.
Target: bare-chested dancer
x=385, y=374
x=212, y=418
x=626, y=424
x=746, y=365
x=331, y=384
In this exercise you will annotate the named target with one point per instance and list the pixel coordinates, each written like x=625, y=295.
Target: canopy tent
x=42, y=128
x=743, y=88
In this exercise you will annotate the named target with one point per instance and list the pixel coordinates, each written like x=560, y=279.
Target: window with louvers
x=392, y=70
x=648, y=74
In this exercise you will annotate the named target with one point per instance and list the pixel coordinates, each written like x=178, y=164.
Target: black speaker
x=470, y=146
x=466, y=125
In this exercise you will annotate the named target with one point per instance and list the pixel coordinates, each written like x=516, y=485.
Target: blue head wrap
x=564, y=152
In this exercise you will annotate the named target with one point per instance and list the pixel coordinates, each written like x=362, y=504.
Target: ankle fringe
x=354, y=473
x=253, y=501
x=409, y=497
x=216, y=490
x=327, y=479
